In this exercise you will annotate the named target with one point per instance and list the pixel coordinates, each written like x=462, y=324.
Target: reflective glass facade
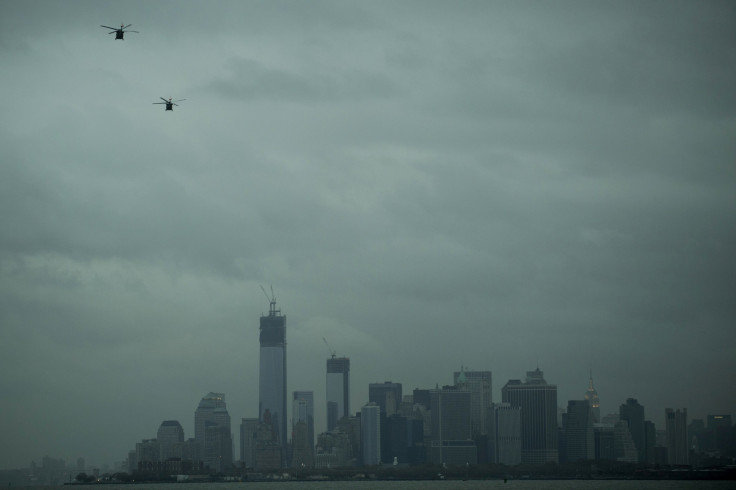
x=338, y=390
x=272, y=371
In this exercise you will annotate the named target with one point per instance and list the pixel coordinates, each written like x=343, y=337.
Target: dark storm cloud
x=500, y=184
x=249, y=79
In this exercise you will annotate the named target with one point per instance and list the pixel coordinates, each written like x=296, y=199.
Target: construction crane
x=332, y=351
x=272, y=311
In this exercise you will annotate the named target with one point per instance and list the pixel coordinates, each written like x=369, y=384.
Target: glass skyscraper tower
x=272, y=371
x=538, y=403
x=338, y=390
x=212, y=432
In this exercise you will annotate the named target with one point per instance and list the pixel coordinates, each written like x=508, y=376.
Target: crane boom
x=332, y=351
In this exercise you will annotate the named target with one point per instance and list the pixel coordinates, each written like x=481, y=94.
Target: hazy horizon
x=428, y=185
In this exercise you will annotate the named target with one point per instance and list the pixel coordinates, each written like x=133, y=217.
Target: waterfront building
x=451, y=440
x=132, y=461
x=302, y=454
x=272, y=371
x=578, y=428
x=394, y=438
x=632, y=413
x=248, y=430
x=623, y=443
x=334, y=449
x=350, y=426
x=370, y=433
x=721, y=435
x=538, y=402
x=269, y=453
x=505, y=435
x=479, y=384
x=676, y=429
x=211, y=408
x=212, y=432
x=218, y=447
x=338, y=390
x=169, y=435
x=650, y=441
x=188, y=451
x=603, y=436
x=148, y=450
x=302, y=410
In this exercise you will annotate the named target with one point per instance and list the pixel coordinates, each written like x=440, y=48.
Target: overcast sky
x=428, y=185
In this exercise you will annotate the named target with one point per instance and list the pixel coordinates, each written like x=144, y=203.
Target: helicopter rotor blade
x=132, y=31
x=166, y=101
x=127, y=26
x=108, y=27
x=179, y=100
x=159, y=102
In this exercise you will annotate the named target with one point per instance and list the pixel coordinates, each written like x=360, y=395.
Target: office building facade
x=386, y=395
x=212, y=432
x=579, y=438
x=676, y=430
x=248, y=430
x=302, y=410
x=632, y=413
x=479, y=384
x=505, y=435
x=338, y=390
x=170, y=434
x=451, y=440
x=370, y=433
x=272, y=372
x=538, y=403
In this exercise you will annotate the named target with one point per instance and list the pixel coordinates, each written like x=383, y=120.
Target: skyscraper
x=676, y=429
x=579, y=439
x=302, y=410
x=169, y=435
x=478, y=383
x=248, y=429
x=505, y=432
x=451, y=441
x=370, y=433
x=212, y=432
x=592, y=396
x=632, y=413
x=721, y=435
x=386, y=395
x=538, y=403
x=338, y=390
x=272, y=371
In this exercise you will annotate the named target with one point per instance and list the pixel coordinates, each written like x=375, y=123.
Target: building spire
x=591, y=394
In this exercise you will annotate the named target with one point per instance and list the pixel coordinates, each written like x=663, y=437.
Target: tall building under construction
x=272, y=372
x=338, y=390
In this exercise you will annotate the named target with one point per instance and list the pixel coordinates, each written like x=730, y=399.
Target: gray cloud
x=425, y=184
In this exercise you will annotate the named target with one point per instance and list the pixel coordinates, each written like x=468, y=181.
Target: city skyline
x=488, y=186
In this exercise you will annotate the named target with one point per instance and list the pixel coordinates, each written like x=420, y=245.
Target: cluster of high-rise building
x=453, y=424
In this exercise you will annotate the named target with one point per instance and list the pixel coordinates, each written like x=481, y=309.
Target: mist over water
x=426, y=184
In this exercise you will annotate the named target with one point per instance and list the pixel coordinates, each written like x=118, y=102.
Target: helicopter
x=119, y=32
x=169, y=103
